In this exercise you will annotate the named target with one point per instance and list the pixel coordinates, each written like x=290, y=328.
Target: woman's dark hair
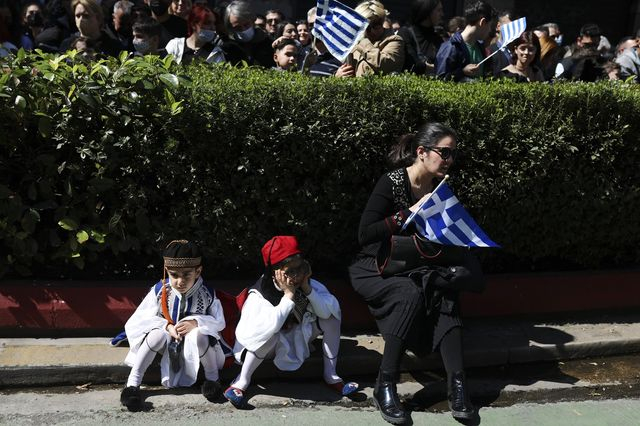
x=421, y=10
x=527, y=37
x=403, y=153
x=280, y=28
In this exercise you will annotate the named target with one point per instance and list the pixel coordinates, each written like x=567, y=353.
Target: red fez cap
x=279, y=248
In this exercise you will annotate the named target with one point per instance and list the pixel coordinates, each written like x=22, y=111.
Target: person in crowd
x=420, y=38
x=455, y=25
x=624, y=44
x=380, y=51
x=629, y=62
x=181, y=319
x=326, y=65
x=311, y=17
x=59, y=21
x=7, y=48
x=254, y=44
x=285, y=54
x=9, y=15
x=202, y=43
x=284, y=312
x=85, y=46
x=286, y=29
x=272, y=19
x=550, y=52
x=421, y=312
x=90, y=23
x=525, y=57
x=180, y=8
x=555, y=33
x=146, y=38
x=396, y=25
x=503, y=58
x=613, y=70
x=585, y=62
x=32, y=24
x=120, y=26
x=458, y=57
x=304, y=35
x=172, y=25
x=260, y=22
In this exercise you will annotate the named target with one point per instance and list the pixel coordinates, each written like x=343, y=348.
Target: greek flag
x=442, y=219
x=512, y=30
x=339, y=27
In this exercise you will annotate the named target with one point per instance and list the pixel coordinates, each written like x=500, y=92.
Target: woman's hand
x=345, y=71
x=184, y=327
x=414, y=208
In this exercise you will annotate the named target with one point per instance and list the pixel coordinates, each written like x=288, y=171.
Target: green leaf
x=170, y=80
x=98, y=236
x=82, y=236
x=44, y=126
x=68, y=224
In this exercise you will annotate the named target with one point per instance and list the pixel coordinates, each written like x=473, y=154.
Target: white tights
x=156, y=342
x=330, y=328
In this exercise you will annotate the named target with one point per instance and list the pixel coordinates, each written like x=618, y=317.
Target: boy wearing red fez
x=285, y=310
x=181, y=319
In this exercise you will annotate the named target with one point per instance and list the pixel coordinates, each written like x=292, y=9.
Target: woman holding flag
x=419, y=309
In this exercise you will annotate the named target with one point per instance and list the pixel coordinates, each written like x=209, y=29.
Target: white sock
x=156, y=339
x=251, y=362
x=208, y=357
x=330, y=347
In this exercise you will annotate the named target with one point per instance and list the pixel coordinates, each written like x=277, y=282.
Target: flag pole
x=410, y=218
x=497, y=50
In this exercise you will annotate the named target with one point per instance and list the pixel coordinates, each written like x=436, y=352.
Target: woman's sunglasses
x=444, y=152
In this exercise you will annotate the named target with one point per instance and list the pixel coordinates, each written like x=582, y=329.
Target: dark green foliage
x=102, y=164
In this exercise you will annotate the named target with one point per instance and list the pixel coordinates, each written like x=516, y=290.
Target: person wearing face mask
x=203, y=42
x=146, y=38
x=32, y=24
x=251, y=44
x=380, y=51
x=89, y=20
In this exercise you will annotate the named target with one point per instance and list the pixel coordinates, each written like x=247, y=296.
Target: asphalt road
x=585, y=392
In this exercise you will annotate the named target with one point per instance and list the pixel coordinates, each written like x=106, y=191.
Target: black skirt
x=399, y=307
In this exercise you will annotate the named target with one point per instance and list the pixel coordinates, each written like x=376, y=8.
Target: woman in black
x=398, y=303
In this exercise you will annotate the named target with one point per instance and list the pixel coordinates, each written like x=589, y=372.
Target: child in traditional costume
x=181, y=319
x=284, y=311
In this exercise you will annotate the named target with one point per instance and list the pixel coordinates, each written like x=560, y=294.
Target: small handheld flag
x=339, y=27
x=442, y=219
x=508, y=33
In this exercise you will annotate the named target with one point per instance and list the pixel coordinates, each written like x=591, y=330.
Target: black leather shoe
x=461, y=408
x=212, y=390
x=385, y=396
x=130, y=397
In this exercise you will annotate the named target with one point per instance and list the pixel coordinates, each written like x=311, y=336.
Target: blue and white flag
x=339, y=27
x=442, y=219
x=512, y=30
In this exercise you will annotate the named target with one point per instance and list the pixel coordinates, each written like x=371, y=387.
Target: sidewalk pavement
x=27, y=362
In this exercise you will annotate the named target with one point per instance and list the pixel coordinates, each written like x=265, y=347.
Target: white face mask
x=245, y=35
x=205, y=36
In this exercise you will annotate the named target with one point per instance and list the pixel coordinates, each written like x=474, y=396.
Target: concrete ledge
x=76, y=361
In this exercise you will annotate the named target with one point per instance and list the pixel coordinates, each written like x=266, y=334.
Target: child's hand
x=184, y=327
x=172, y=332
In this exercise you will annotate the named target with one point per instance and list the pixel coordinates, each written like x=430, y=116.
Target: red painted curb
x=50, y=306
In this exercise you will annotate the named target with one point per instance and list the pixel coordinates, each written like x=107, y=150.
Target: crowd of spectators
x=214, y=31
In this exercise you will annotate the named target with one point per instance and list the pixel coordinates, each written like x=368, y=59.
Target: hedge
x=101, y=164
